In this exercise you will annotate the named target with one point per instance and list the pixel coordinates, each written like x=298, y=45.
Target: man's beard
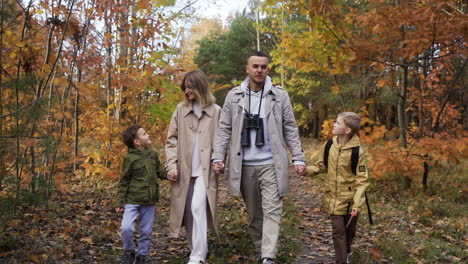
x=258, y=82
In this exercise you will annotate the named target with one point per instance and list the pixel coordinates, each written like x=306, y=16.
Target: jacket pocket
x=346, y=196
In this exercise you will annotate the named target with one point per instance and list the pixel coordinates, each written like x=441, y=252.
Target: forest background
x=75, y=73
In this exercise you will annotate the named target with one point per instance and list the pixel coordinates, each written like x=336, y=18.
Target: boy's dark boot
x=128, y=257
x=140, y=259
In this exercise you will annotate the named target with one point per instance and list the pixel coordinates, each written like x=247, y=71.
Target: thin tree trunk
x=257, y=14
x=425, y=176
x=108, y=26
x=402, y=107
x=2, y=143
x=17, y=117
x=76, y=110
x=402, y=119
x=123, y=42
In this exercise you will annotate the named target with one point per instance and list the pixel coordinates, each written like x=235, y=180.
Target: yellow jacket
x=344, y=191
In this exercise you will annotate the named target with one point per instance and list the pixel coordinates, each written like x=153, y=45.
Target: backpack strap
x=369, y=212
x=354, y=159
x=327, y=151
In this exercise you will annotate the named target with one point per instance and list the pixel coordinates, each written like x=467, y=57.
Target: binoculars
x=252, y=122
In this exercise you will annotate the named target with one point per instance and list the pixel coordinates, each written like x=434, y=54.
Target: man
x=256, y=123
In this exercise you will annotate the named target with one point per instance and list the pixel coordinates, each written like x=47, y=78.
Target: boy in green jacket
x=138, y=192
x=345, y=182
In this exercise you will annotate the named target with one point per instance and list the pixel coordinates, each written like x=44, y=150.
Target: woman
x=194, y=188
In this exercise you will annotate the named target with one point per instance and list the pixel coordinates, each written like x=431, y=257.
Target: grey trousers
x=145, y=223
x=259, y=189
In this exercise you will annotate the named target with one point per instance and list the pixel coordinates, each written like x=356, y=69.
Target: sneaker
x=140, y=259
x=199, y=262
x=348, y=258
x=268, y=261
x=128, y=257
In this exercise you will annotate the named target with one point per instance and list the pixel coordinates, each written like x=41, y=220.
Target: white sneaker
x=268, y=261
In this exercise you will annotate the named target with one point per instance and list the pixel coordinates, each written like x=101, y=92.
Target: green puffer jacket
x=138, y=183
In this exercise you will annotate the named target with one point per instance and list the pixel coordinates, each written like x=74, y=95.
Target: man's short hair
x=130, y=134
x=351, y=120
x=257, y=54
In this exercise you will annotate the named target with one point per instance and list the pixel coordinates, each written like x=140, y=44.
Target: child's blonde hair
x=351, y=120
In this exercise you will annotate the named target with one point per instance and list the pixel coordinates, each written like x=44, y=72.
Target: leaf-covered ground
x=82, y=227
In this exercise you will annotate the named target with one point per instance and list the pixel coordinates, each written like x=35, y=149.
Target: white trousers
x=196, y=220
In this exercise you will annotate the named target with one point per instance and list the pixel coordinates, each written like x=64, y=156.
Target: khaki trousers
x=343, y=236
x=259, y=189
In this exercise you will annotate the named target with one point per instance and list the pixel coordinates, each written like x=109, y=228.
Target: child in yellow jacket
x=344, y=185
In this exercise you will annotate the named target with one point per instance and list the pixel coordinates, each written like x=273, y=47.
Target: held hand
x=119, y=210
x=172, y=175
x=300, y=169
x=218, y=167
x=354, y=213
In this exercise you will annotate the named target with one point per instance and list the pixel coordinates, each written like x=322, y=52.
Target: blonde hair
x=201, y=87
x=351, y=120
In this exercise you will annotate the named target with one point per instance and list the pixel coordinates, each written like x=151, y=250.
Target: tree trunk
x=108, y=44
x=17, y=117
x=122, y=56
x=402, y=107
x=2, y=141
x=257, y=14
x=402, y=123
x=425, y=176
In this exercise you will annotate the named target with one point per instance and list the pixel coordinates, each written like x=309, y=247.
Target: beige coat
x=179, y=147
x=344, y=191
x=282, y=129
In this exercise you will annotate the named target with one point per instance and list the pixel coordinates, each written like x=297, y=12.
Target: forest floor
x=81, y=226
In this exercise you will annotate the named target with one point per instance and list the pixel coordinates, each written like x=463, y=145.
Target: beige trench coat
x=179, y=147
x=282, y=129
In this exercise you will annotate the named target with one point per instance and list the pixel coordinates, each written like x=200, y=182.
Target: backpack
x=354, y=162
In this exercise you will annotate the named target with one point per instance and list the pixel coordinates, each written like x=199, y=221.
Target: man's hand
x=172, y=175
x=119, y=210
x=218, y=167
x=300, y=169
x=354, y=212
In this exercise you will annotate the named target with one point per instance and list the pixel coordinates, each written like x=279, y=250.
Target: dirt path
x=315, y=226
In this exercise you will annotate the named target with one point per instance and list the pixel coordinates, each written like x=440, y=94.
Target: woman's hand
x=172, y=175
x=218, y=167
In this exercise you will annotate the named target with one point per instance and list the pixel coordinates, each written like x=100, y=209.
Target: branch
x=20, y=109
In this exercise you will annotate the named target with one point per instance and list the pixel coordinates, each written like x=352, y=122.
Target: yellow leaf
x=336, y=89
x=34, y=258
x=58, y=115
x=68, y=115
x=88, y=240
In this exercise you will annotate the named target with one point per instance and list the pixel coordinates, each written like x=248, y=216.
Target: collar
x=138, y=151
x=353, y=142
x=207, y=109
